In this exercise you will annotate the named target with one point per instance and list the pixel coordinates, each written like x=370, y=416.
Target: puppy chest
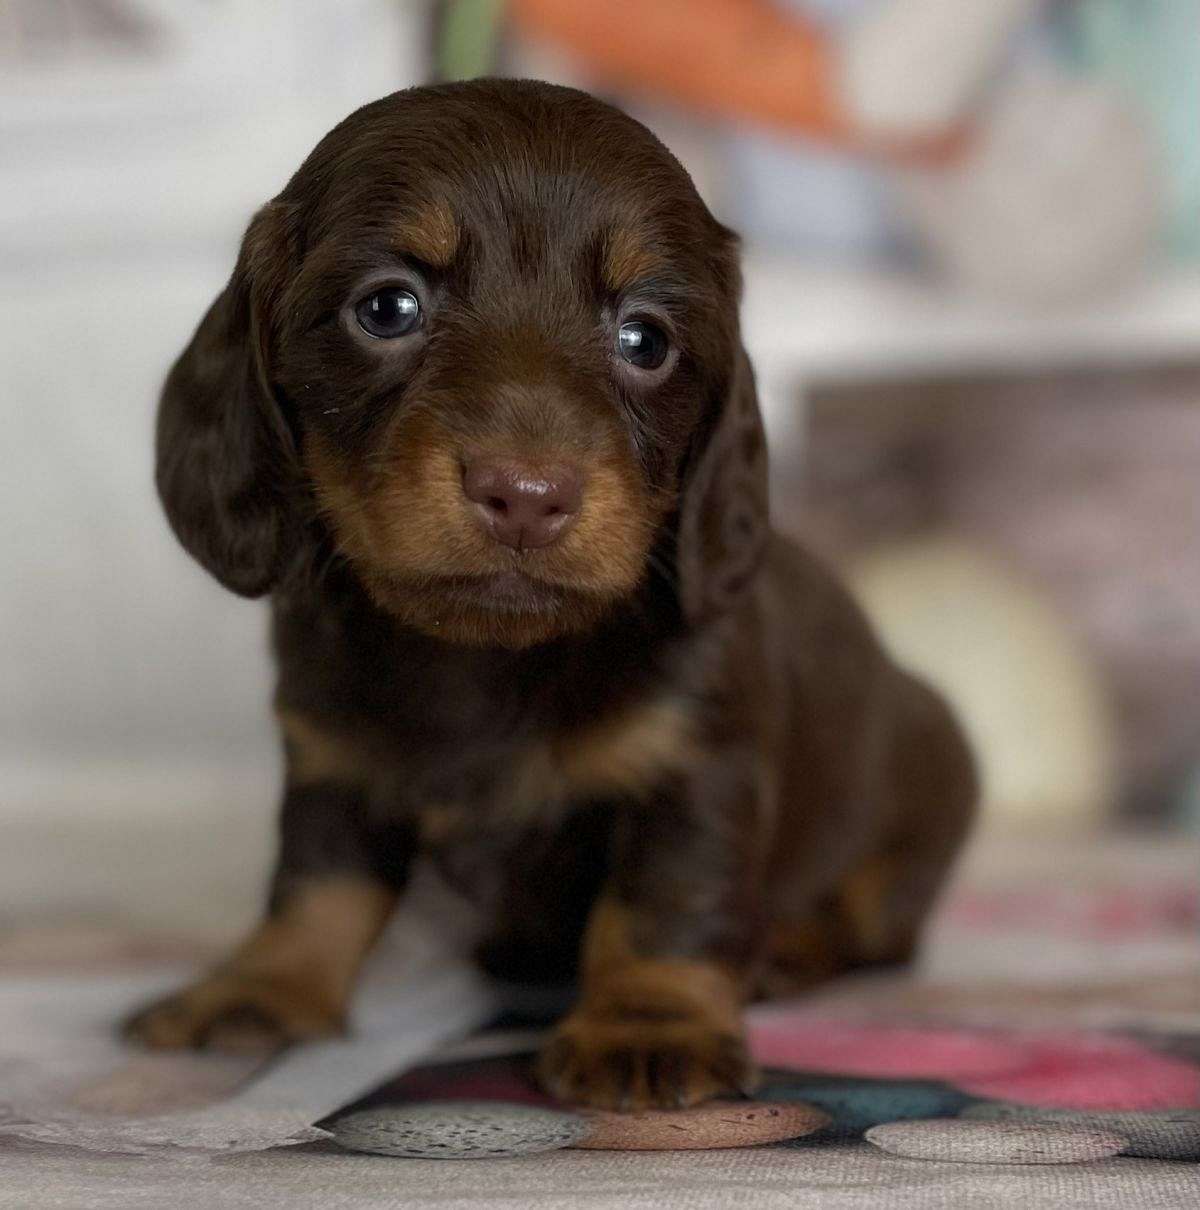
x=457, y=785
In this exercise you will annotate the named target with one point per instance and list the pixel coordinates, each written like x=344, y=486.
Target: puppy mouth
x=509, y=592
x=505, y=607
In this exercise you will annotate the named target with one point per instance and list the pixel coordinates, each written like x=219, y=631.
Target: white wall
x=133, y=690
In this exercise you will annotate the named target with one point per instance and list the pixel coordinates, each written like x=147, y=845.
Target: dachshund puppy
x=474, y=410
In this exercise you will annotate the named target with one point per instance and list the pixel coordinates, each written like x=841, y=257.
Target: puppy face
x=494, y=320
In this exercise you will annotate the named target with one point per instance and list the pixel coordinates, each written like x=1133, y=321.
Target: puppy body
x=664, y=749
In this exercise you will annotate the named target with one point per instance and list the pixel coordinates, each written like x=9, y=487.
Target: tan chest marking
x=626, y=754
x=316, y=755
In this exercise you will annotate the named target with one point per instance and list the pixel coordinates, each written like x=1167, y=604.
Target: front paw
x=231, y=1011
x=626, y=1062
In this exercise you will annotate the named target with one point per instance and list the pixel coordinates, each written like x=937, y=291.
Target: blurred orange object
x=727, y=58
x=732, y=58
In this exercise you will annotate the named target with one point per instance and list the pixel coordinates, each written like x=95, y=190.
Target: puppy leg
x=857, y=925
x=931, y=778
x=665, y=962
x=288, y=981
x=875, y=914
x=550, y=885
x=291, y=978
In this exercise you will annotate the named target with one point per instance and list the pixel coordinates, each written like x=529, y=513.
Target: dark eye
x=642, y=345
x=389, y=312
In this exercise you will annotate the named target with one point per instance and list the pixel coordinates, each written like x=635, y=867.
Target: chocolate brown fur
x=670, y=723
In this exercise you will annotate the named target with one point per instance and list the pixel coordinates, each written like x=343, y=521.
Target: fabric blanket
x=1059, y=974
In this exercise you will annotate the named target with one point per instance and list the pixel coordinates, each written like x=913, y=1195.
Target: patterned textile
x=1059, y=976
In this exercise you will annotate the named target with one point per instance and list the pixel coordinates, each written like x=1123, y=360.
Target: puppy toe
x=630, y=1064
x=230, y=1013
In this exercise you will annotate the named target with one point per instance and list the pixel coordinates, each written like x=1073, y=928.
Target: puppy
x=474, y=410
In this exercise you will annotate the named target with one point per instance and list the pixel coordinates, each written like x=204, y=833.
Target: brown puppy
x=474, y=410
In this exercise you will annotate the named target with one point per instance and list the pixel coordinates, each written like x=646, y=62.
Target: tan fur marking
x=627, y=260
x=863, y=898
x=324, y=929
x=625, y=754
x=431, y=235
x=414, y=521
x=647, y=1031
x=616, y=978
x=441, y=823
x=289, y=980
x=409, y=522
x=856, y=925
x=315, y=755
x=629, y=752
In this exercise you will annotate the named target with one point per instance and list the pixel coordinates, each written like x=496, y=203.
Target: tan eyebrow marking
x=626, y=259
x=431, y=234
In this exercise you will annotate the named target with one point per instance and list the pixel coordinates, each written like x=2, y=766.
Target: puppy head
x=486, y=343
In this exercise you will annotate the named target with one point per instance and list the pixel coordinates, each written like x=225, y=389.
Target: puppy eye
x=388, y=313
x=642, y=345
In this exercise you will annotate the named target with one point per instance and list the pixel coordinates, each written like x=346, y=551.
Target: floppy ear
x=723, y=522
x=225, y=456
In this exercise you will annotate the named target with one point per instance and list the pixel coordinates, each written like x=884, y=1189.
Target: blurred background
x=972, y=262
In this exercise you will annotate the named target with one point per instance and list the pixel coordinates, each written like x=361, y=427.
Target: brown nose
x=521, y=506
